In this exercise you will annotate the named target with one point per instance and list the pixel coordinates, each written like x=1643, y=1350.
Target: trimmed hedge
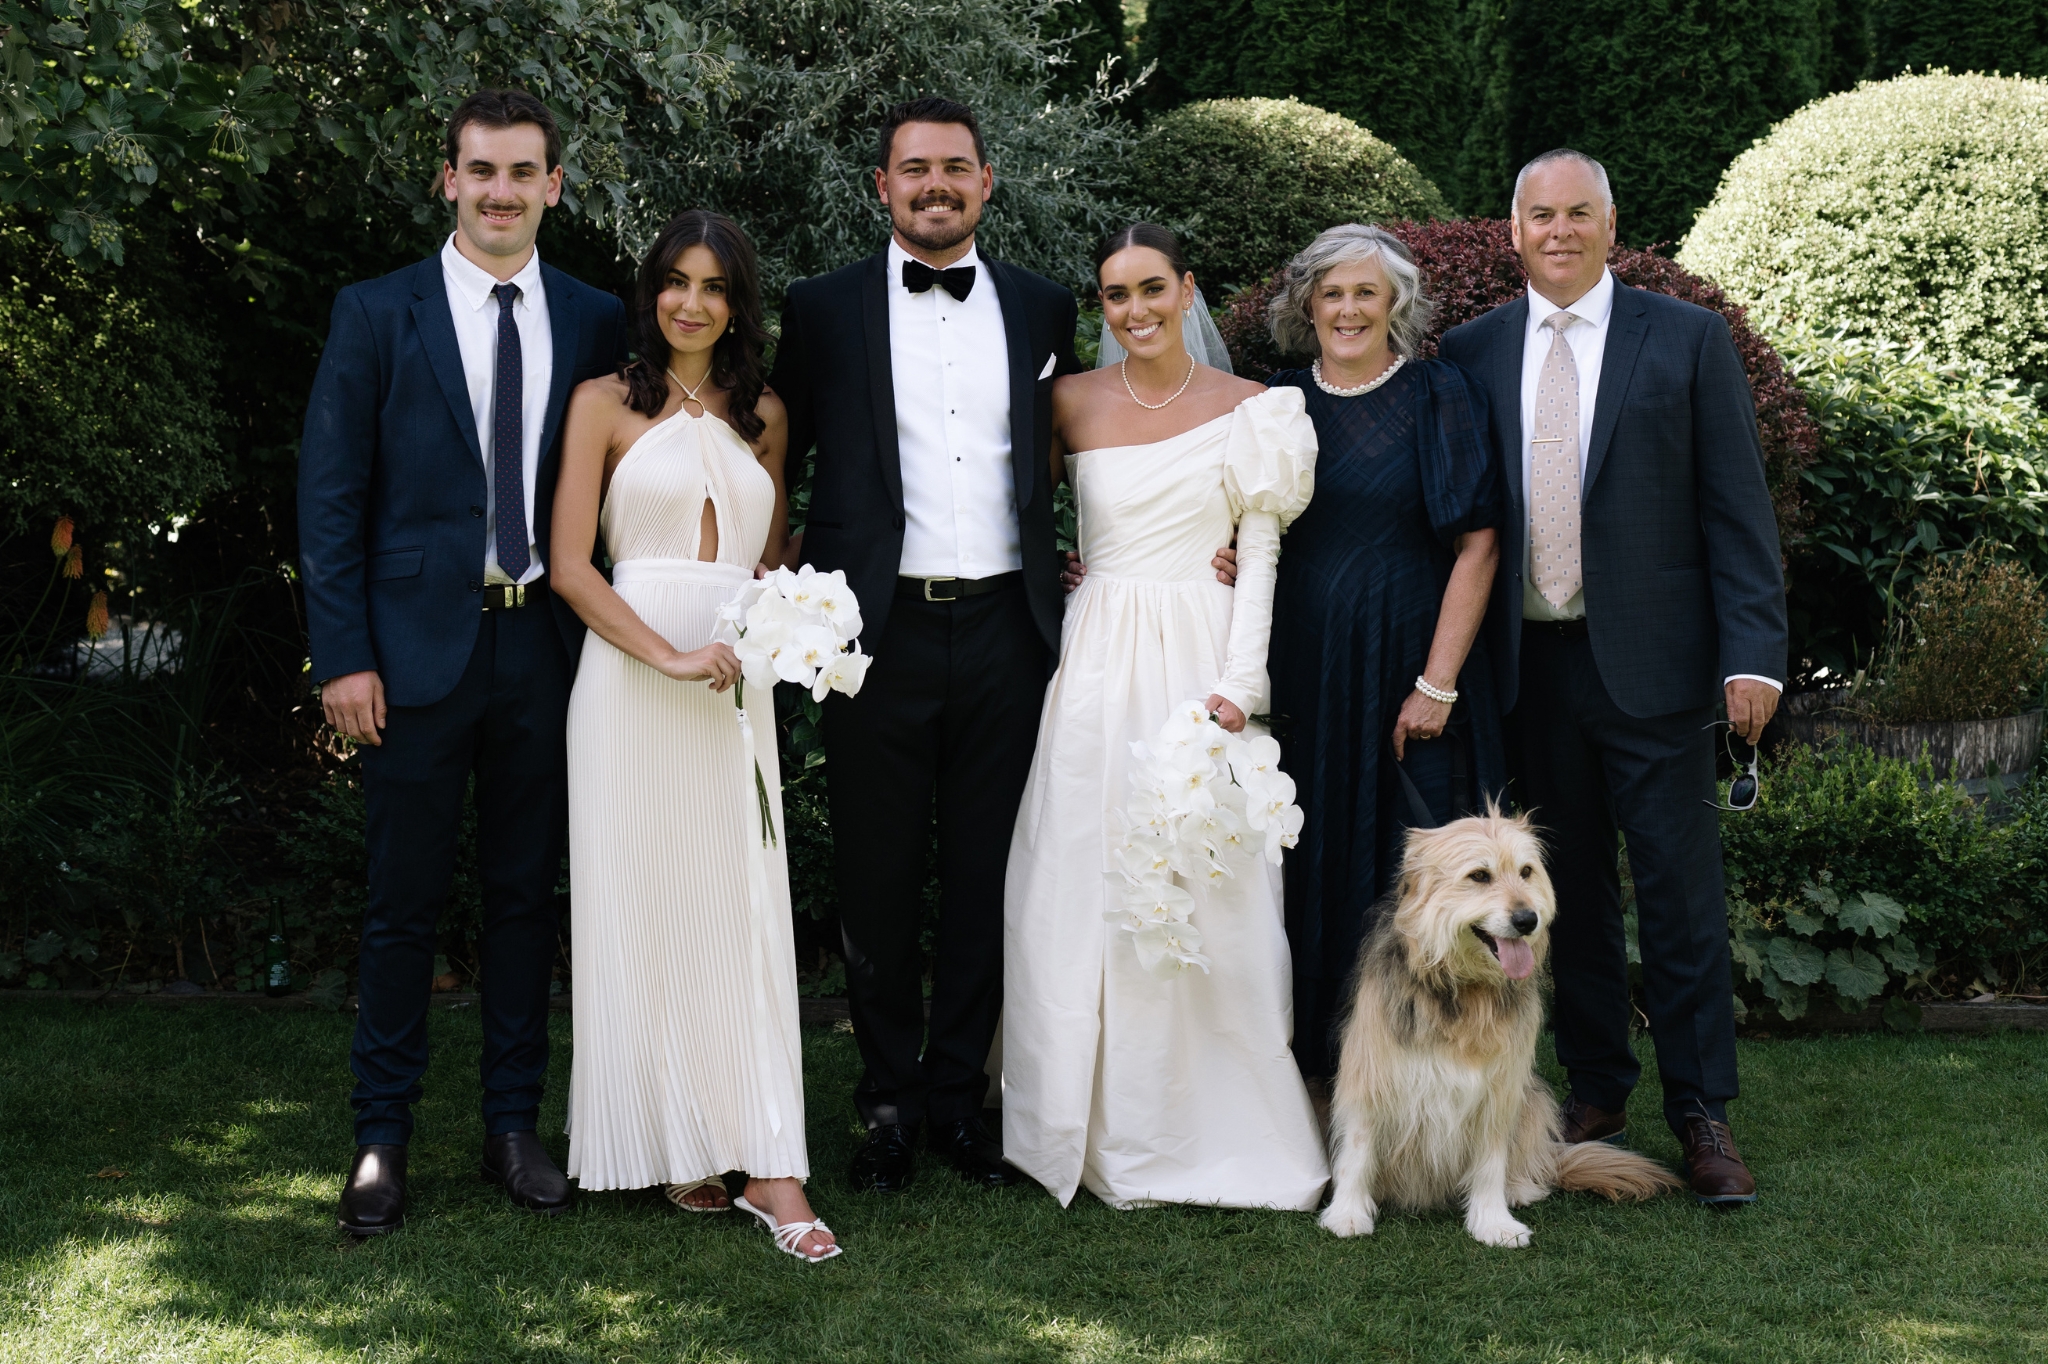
x=1963, y=35
x=1471, y=267
x=1665, y=93
x=1402, y=70
x=1912, y=211
x=1247, y=181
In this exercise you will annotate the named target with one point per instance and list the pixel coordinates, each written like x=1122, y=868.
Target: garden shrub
x=1913, y=210
x=1402, y=70
x=1918, y=460
x=1664, y=93
x=1471, y=267
x=1247, y=182
x=1971, y=645
x=1841, y=836
x=1962, y=35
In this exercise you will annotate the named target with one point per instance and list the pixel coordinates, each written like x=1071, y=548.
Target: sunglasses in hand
x=1747, y=786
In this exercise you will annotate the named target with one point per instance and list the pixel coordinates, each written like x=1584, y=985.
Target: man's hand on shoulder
x=1225, y=564
x=354, y=703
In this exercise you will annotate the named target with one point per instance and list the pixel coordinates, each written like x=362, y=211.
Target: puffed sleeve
x=1269, y=474
x=1461, y=482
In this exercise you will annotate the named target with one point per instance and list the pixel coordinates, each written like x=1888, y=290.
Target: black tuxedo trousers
x=945, y=723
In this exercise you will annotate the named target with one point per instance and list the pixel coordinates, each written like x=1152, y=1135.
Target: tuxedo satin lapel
x=1022, y=409
x=1625, y=332
x=563, y=319
x=437, y=333
x=874, y=312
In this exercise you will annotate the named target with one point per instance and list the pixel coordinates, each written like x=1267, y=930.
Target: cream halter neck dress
x=687, y=1058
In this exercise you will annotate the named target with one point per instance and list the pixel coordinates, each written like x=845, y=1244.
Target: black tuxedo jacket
x=391, y=478
x=832, y=371
x=1683, y=585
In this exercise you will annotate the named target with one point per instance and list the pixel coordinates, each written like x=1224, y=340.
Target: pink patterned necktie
x=1554, y=472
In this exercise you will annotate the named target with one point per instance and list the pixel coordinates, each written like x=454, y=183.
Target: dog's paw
x=1504, y=1232
x=1343, y=1221
x=1522, y=1195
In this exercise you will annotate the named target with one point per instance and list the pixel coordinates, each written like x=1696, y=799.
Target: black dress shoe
x=519, y=1164
x=373, y=1199
x=975, y=1155
x=885, y=1162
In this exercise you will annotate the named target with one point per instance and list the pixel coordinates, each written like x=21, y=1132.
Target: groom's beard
x=941, y=235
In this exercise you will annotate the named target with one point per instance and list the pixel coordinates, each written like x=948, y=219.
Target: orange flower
x=74, y=562
x=60, y=537
x=96, y=621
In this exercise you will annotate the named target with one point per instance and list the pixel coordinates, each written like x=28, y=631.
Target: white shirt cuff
x=1773, y=683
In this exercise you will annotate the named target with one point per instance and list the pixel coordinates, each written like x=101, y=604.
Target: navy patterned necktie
x=508, y=440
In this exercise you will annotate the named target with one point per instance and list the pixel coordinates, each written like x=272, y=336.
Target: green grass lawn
x=1904, y=1186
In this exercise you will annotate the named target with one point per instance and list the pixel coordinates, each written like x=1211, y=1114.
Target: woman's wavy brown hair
x=736, y=367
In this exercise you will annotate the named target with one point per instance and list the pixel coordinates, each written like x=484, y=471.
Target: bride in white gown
x=1147, y=1089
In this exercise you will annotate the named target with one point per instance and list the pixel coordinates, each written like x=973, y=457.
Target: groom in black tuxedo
x=426, y=487
x=923, y=375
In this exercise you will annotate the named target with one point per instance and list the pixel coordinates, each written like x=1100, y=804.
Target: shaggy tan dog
x=1437, y=1095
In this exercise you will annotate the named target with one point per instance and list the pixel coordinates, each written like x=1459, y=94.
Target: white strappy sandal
x=677, y=1193
x=787, y=1234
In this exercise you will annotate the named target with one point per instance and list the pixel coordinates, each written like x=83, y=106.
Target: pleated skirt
x=687, y=1055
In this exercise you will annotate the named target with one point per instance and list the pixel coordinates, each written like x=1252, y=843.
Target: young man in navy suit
x=1639, y=584
x=426, y=483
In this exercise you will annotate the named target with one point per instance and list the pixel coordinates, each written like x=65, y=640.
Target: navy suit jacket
x=832, y=372
x=1679, y=548
x=391, y=478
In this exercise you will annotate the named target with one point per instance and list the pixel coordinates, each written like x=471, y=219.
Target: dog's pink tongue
x=1517, y=958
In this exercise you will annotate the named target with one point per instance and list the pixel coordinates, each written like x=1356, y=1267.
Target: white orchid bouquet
x=798, y=626
x=1203, y=802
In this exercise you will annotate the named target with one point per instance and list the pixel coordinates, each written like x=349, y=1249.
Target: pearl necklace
x=1316, y=368
x=690, y=394
x=1125, y=370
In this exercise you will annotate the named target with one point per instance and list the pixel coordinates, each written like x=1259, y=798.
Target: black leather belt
x=953, y=589
x=1558, y=629
x=505, y=597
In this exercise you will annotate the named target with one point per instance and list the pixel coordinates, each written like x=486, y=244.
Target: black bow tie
x=958, y=281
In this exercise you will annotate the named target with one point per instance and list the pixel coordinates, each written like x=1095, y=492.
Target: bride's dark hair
x=736, y=367
x=1142, y=234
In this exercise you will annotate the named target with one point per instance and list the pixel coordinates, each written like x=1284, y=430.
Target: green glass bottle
x=277, y=968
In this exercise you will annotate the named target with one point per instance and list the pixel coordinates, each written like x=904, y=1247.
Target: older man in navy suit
x=426, y=481
x=1639, y=578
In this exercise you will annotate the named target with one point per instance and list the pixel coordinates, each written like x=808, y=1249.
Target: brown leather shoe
x=1713, y=1166
x=1581, y=1121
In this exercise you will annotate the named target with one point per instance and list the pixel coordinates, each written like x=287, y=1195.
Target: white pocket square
x=1047, y=371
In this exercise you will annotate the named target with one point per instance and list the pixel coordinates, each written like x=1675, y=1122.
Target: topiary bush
x=1403, y=70
x=1247, y=182
x=1471, y=267
x=1913, y=210
x=1917, y=461
x=1665, y=93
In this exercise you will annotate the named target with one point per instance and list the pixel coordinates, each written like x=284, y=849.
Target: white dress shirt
x=1586, y=335
x=476, y=333
x=950, y=362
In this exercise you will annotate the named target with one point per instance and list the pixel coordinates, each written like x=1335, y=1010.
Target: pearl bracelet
x=1437, y=694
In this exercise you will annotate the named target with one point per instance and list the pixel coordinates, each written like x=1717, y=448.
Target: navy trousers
x=1588, y=771
x=505, y=723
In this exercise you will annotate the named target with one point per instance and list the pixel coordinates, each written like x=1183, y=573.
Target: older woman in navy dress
x=1383, y=583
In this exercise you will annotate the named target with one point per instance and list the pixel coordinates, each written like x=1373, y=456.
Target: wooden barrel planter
x=1961, y=750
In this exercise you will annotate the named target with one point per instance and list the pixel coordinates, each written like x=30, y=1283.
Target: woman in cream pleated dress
x=687, y=1062
x=1151, y=1090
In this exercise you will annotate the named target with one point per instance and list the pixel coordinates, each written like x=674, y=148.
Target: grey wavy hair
x=1290, y=315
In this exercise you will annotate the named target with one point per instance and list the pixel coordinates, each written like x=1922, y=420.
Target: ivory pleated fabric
x=687, y=1056
x=1147, y=1090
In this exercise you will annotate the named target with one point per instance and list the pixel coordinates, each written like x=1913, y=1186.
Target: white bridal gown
x=687, y=1059
x=1152, y=1090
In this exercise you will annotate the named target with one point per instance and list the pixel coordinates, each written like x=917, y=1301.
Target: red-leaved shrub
x=1471, y=267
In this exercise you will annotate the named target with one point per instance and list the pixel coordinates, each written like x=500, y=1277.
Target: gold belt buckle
x=928, y=589
x=515, y=595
